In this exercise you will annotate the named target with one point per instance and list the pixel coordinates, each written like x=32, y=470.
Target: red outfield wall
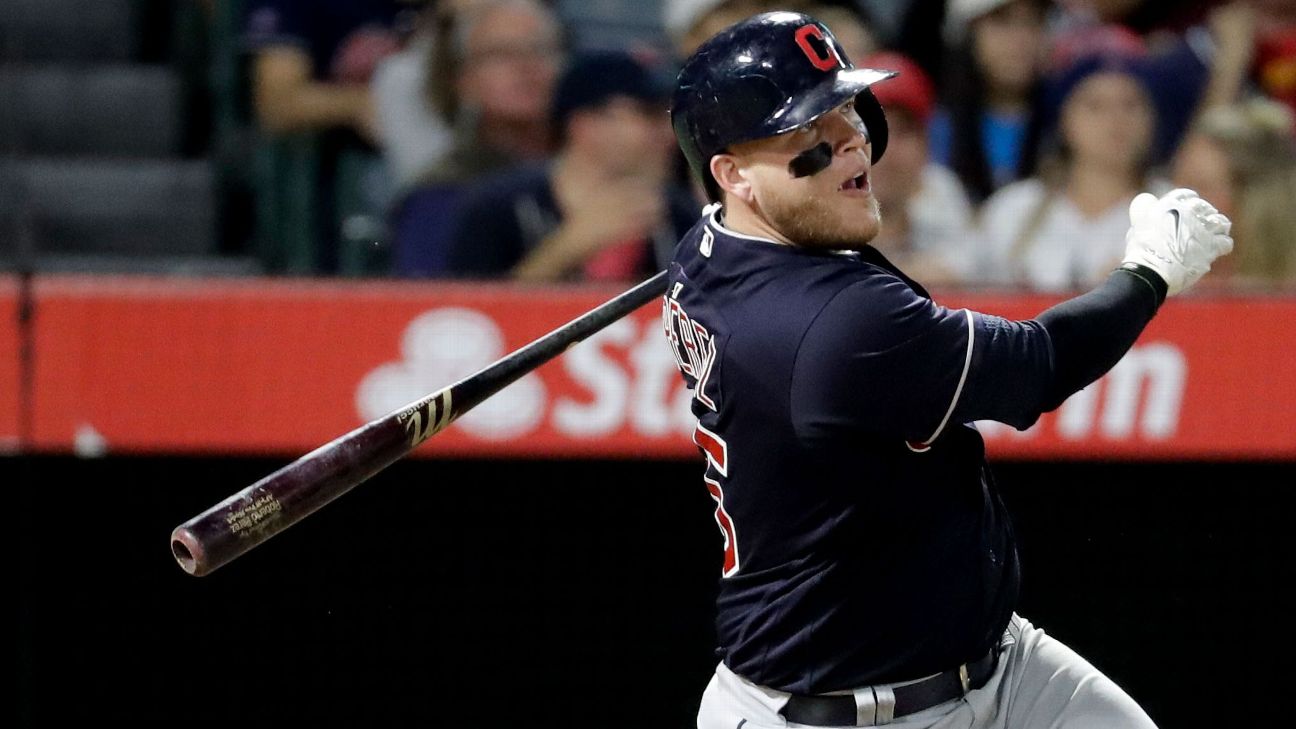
x=10, y=381
x=261, y=366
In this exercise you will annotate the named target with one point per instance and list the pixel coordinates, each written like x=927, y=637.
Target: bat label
x=427, y=419
x=260, y=509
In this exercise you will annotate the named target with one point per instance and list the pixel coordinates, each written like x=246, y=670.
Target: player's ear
x=729, y=175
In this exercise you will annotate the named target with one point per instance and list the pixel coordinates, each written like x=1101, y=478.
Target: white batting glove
x=1177, y=235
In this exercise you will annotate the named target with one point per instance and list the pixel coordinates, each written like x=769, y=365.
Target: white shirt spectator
x=940, y=220
x=415, y=137
x=1036, y=237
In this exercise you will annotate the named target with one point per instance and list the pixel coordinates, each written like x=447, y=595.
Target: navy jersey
x=864, y=541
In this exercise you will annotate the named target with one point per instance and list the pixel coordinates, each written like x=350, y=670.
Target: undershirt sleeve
x=1022, y=369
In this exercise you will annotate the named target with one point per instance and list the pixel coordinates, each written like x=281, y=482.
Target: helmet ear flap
x=870, y=111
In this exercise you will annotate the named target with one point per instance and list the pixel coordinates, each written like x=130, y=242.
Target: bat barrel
x=288, y=495
x=283, y=498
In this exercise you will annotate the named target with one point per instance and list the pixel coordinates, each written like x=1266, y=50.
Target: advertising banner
x=261, y=366
x=10, y=353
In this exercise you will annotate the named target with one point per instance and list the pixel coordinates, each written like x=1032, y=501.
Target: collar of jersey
x=712, y=212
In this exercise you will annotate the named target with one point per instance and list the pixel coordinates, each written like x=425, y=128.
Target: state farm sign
x=621, y=377
x=624, y=378
x=147, y=365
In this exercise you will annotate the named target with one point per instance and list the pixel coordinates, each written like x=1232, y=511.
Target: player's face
x=831, y=208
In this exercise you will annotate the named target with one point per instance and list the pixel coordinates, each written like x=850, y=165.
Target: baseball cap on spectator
x=1060, y=84
x=593, y=79
x=912, y=90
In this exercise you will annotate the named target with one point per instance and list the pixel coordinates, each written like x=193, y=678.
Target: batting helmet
x=764, y=76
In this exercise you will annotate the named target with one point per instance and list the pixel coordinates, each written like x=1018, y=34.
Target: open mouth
x=858, y=182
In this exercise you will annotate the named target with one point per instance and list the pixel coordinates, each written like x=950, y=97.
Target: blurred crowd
x=493, y=144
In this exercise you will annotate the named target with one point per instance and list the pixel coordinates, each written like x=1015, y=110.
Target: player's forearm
x=1090, y=333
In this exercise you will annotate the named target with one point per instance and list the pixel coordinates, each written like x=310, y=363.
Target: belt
x=911, y=698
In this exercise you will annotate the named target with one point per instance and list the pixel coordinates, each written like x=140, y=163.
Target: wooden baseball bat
x=295, y=491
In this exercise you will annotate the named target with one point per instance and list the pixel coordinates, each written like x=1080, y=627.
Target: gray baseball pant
x=1039, y=683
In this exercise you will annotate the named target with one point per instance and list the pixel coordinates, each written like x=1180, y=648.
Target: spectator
x=311, y=69
x=921, y=36
x=1254, y=44
x=491, y=72
x=503, y=58
x=1242, y=158
x=986, y=130
x=1144, y=17
x=926, y=213
x=1065, y=229
x=416, y=133
x=1180, y=63
x=1275, y=23
x=313, y=62
x=603, y=209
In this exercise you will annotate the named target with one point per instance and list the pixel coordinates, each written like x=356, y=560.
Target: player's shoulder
x=874, y=310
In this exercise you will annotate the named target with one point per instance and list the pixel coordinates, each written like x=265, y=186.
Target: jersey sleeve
x=883, y=359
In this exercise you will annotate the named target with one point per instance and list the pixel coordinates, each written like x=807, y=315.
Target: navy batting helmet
x=764, y=76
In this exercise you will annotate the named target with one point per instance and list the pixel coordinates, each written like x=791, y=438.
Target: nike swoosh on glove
x=1178, y=235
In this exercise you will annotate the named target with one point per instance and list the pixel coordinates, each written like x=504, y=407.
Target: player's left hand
x=1178, y=235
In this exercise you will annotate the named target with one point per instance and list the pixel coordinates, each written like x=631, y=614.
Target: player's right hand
x=1177, y=235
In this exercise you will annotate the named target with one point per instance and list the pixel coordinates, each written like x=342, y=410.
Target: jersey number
x=717, y=455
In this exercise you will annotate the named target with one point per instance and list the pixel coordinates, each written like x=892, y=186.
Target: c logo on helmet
x=817, y=48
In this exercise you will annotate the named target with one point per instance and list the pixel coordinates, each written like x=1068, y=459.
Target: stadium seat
x=132, y=208
x=71, y=31
x=117, y=110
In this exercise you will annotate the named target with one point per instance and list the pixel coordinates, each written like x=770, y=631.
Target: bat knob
x=188, y=551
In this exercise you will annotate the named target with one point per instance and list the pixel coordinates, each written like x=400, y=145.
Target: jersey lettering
x=817, y=48
x=692, y=346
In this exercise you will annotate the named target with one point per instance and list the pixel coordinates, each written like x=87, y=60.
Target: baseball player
x=870, y=572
